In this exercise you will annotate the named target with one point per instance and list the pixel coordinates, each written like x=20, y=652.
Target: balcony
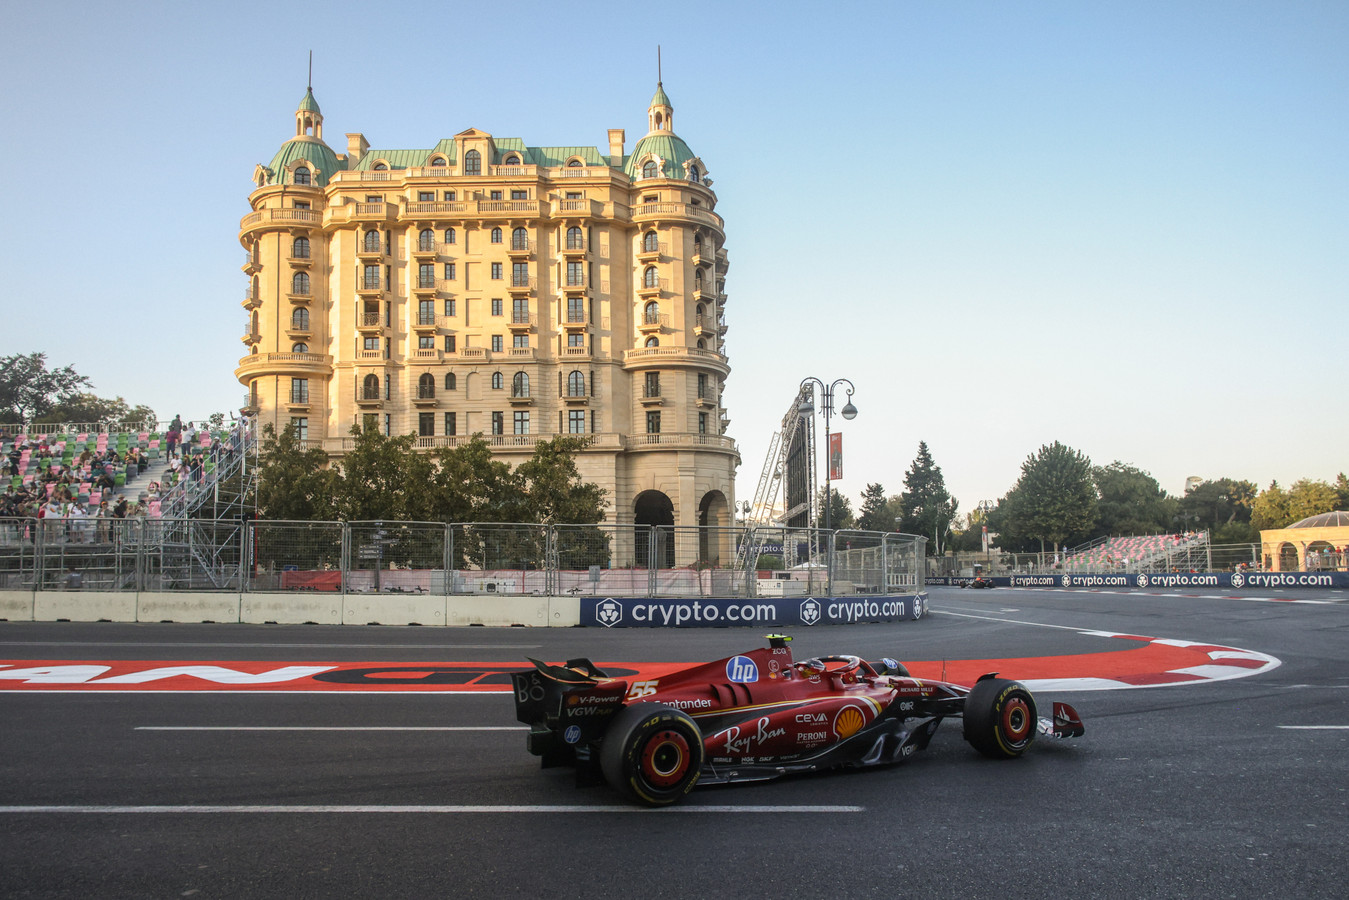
x=424, y=322
x=425, y=285
x=521, y=354
x=518, y=248
x=369, y=250
x=373, y=212
x=577, y=398
x=303, y=260
x=521, y=285
x=300, y=293
x=425, y=396
x=521, y=397
x=425, y=354
x=652, y=252
x=650, y=287
x=673, y=211
x=265, y=219
x=370, y=287
x=251, y=336
x=508, y=209
x=702, y=294
x=700, y=257
x=369, y=399
x=651, y=395
x=298, y=400
x=674, y=440
x=370, y=323
x=574, y=247
x=522, y=322
x=478, y=353
x=570, y=209
x=576, y=322
x=576, y=353
x=252, y=265
x=285, y=364
x=574, y=287
x=435, y=209
x=667, y=357
x=704, y=325
x=653, y=323
x=371, y=356
x=424, y=249
x=251, y=299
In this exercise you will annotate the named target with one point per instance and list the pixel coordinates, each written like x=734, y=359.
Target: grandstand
x=1141, y=553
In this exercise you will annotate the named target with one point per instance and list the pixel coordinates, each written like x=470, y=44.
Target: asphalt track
x=217, y=761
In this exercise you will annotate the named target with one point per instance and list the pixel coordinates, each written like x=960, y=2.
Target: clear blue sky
x=1124, y=226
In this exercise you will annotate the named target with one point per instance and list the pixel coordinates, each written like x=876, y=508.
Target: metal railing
x=145, y=554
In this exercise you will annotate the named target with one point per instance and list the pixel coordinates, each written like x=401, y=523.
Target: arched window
x=302, y=175
x=426, y=240
x=650, y=278
x=300, y=283
x=520, y=385
x=519, y=239
x=697, y=243
x=451, y=383
x=381, y=167
x=650, y=243
x=576, y=384
x=653, y=341
x=473, y=163
x=496, y=235
x=496, y=381
x=370, y=388
x=651, y=313
x=438, y=162
x=299, y=347
x=697, y=279
x=299, y=248
x=575, y=240
x=649, y=169
x=512, y=160
x=371, y=241
x=702, y=344
x=299, y=320
x=574, y=163
x=701, y=310
x=449, y=235
x=426, y=386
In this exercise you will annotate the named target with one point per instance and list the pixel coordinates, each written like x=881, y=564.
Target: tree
x=926, y=507
x=85, y=407
x=28, y=389
x=1223, y=506
x=382, y=478
x=1130, y=502
x=1342, y=492
x=1054, y=499
x=840, y=510
x=1277, y=508
x=878, y=512
x=294, y=484
x=553, y=487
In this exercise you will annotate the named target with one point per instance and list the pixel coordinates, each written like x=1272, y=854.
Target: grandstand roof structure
x=1324, y=520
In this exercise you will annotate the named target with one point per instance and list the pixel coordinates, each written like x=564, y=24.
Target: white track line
x=399, y=810
x=1315, y=727
x=331, y=728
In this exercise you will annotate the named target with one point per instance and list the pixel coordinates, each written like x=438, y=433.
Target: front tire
x=652, y=754
x=1000, y=720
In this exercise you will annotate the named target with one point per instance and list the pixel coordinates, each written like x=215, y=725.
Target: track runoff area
x=1225, y=710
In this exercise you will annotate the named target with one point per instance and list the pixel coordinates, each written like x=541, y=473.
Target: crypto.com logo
x=609, y=611
x=810, y=612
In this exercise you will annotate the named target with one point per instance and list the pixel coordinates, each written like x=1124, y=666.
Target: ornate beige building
x=486, y=286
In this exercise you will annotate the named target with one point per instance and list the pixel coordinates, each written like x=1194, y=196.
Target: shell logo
x=848, y=722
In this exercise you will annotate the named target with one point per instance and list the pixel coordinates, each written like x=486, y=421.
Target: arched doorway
x=1287, y=558
x=714, y=532
x=654, y=508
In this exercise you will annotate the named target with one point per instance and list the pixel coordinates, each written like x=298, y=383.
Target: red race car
x=760, y=715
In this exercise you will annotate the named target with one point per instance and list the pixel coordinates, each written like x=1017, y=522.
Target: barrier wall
x=1247, y=581
x=424, y=609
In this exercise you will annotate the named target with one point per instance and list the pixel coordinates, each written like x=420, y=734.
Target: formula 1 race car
x=760, y=715
x=978, y=581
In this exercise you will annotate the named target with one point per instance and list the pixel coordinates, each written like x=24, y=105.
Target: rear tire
x=1000, y=720
x=652, y=754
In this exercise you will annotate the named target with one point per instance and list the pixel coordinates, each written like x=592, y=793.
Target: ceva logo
x=742, y=670
x=810, y=612
x=609, y=612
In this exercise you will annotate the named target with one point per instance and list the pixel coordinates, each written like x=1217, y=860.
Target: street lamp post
x=807, y=407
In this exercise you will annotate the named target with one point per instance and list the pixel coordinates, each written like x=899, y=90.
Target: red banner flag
x=835, y=456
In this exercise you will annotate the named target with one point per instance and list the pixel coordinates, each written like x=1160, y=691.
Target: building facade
x=483, y=286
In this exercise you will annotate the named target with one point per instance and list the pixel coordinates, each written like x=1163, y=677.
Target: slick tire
x=1000, y=720
x=652, y=754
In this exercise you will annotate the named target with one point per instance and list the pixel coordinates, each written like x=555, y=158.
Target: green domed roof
x=320, y=156
x=672, y=150
x=309, y=104
x=660, y=99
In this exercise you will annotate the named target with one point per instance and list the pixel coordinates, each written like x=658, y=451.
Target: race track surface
x=309, y=761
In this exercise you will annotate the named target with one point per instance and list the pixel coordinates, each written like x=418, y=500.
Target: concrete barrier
x=183, y=607
x=16, y=606
x=84, y=606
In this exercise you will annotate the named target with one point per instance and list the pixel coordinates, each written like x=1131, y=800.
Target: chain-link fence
x=1192, y=556
x=448, y=559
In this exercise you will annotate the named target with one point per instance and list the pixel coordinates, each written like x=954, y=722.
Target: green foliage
x=1130, y=502
x=1054, y=500
x=926, y=507
x=29, y=390
x=840, y=511
x=386, y=479
x=83, y=407
x=879, y=513
x=1279, y=508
